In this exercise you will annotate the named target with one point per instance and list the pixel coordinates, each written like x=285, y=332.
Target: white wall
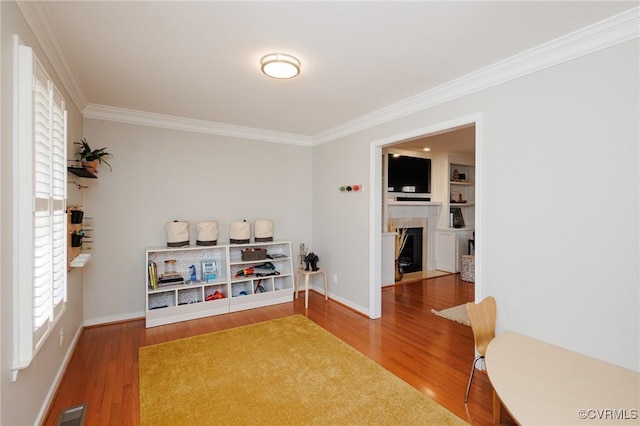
x=561, y=173
x=341, y=220
x=160, y=175
x=24, y=401
x=559, y=236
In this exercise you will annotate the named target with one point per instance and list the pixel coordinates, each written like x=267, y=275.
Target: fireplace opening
x=411, y=255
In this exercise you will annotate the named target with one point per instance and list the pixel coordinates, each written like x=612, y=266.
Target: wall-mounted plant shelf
x=80, y=260
x=82, y=172
x=76, y=256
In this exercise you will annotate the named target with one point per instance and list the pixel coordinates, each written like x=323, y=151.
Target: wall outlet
x=61, y=335
x=334, y=279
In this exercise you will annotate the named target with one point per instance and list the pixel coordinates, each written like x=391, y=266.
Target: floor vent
x=72, y=416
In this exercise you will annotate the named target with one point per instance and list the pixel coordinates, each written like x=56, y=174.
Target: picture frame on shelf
x=458, y=219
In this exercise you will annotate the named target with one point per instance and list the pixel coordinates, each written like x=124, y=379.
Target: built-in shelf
x=82, y=172
x=462, y=191
x=413, y=203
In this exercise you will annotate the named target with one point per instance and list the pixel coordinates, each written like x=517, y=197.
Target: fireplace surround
x=421, y=223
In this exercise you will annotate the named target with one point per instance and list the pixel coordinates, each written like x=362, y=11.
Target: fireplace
x=411, y=255
x=416, y=258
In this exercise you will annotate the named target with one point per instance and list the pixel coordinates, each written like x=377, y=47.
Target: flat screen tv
x=410, y=175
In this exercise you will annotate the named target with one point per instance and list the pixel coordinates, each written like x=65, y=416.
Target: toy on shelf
x=214, y=296
x=259, y=288
x=261, y=270
x=311, y=261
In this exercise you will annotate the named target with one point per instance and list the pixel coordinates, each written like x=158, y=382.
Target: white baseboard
x=358, y=308
x=58, y=378
x=113, y=318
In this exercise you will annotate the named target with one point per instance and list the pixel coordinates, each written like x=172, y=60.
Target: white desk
x=542, y=384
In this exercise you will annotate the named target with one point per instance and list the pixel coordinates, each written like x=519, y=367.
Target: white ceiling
x=200, y=60
x=461, y=140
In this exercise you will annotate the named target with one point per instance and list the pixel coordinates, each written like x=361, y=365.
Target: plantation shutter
x=59, y=189
x=42, y=177
x=40, y=192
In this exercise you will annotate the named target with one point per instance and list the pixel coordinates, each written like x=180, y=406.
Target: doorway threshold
x=422, y=275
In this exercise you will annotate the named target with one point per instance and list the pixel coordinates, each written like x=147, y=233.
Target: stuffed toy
x=311, y=261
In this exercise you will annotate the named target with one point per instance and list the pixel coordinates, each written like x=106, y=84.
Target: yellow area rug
x=287, y=371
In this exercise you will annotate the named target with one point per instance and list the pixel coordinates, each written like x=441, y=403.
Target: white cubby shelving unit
x=252, y=291
x=181, y=302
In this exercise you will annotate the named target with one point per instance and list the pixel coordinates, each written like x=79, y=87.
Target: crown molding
x=143, y=118
x=609, y=32
x=37, y=19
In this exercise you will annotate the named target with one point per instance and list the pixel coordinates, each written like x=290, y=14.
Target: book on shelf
x=153, y=274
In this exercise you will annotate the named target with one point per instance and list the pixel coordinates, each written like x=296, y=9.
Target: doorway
x=379, y=205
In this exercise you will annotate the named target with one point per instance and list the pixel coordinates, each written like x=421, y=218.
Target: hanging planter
x=91, y=166
x=92, y=157
x=76, y=239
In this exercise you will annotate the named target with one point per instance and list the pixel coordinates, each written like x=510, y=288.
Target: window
x=40, y=192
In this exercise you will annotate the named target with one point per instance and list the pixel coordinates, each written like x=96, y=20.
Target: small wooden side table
x=307, y=274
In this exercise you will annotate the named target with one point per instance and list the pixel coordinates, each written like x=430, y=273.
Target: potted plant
x=91, y=157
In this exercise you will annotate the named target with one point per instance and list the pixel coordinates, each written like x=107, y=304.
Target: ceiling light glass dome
x=280, y=65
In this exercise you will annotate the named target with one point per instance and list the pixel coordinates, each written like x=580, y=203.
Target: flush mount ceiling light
x=426, y=149
x=280, y=65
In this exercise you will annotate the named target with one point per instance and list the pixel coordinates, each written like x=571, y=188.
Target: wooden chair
x=483, y=323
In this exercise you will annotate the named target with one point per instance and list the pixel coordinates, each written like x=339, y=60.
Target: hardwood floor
x=429, y=352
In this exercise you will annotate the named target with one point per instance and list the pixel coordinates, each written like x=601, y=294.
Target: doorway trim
x=375, y=203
